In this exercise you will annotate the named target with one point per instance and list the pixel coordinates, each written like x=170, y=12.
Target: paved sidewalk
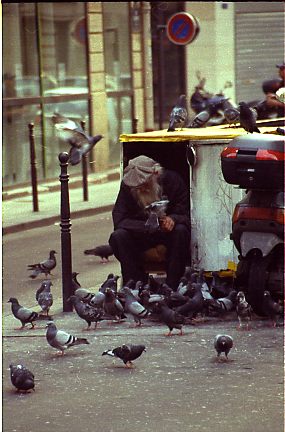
x=17, y=204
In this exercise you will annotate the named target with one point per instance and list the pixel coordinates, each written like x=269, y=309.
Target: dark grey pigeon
x=127, y=353
x=243, y=310
x=110, y=282
x=112, y=305
x=195, y=304
x=86, y=312
x=178, y=115
x=23, y=314
x=248, y=117
x=102, y=251
x=61, y=340
x=271, y=308
x=223, y=344
x=132, y=305
x=200, y=120
x=44, y=267
x=44, y=296
x=72, y=132
x=22, y=378
x=231, y=116
x=75, y=282
x=171, y=318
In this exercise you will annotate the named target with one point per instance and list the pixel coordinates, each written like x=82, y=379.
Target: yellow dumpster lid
x=195, y=134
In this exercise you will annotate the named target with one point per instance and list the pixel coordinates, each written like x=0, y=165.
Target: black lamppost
x=65, y=225
x=33, y=163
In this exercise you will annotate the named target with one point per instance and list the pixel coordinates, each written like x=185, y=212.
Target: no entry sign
x=182, y=28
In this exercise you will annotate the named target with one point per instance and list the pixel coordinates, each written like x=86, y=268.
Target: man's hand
x=166, y=223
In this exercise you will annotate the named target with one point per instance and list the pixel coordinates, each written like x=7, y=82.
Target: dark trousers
x=128, y=248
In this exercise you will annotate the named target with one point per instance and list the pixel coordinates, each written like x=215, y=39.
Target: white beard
x=148, y=195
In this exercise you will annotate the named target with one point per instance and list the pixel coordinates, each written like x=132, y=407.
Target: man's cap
x=139, y=171
x=281, y=65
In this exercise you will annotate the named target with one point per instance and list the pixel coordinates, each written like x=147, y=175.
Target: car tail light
x=269, y=155
x=272, y=214
x=229, y=152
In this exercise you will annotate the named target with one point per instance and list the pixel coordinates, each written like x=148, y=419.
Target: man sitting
x=144, y=182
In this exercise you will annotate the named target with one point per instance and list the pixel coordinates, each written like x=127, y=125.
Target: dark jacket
x=128, y=215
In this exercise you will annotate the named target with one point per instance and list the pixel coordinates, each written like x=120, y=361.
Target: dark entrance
x=168, y=62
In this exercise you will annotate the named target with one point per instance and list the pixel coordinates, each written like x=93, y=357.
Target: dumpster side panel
x=212, y=205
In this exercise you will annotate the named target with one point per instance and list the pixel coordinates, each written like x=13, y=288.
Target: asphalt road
x=176, y=385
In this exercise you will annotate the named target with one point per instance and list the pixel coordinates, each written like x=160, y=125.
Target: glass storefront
x=44, y=71
x=118, y=78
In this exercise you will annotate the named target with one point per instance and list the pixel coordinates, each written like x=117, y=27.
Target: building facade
x=110, y=63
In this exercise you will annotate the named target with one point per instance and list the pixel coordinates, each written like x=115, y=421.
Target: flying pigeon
x=248, y=117
x=61, y=340
x=127, y=353
x=112, y=306
x=223, y=344
x=271, y=308
x=44, y=296
x=102, y=251
x=44, y=266
x=72, y=132
x=132, y=306
x=178, y=115
x=86, y=312
x=243, y=310
x=22, y=378
x=200, y=120
x=171, y=318
x=231, y=116
x=22, y=313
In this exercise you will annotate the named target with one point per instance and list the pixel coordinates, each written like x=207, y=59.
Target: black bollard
x=65, y=234
x=84, y=170
x=33, y=168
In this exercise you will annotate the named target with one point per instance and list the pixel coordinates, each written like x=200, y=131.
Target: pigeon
x=22, y=378
x=61, y=340
x=195, y=304
x=75, y=283
x=243, y=310
x=103, y=251
x=223, y=304
x=271, y=308
x=72, y=132
x=171, y=318
x=84, y=294
x=44, y=296
x=22, y=313
x=248, y=117
x=112, y=306
x=110, y=282
x=231, y=116
x=127, y=353
x=86, y=312
x=44, y=266
x=223, y=344
x=132, y=306
x=178, y=115
x=200, y=120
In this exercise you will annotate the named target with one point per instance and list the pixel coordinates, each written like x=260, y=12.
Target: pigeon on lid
x=248, y=117
x=223, y=344
x=44, y=266
x=200, y=119
x=70, y=131
x=22, y=378
x=62, y=340
x=178, y=115
x=231, y=116
x=127, y=353
x=102, y=251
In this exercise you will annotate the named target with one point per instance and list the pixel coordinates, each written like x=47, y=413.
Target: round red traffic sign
x=182, y=28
